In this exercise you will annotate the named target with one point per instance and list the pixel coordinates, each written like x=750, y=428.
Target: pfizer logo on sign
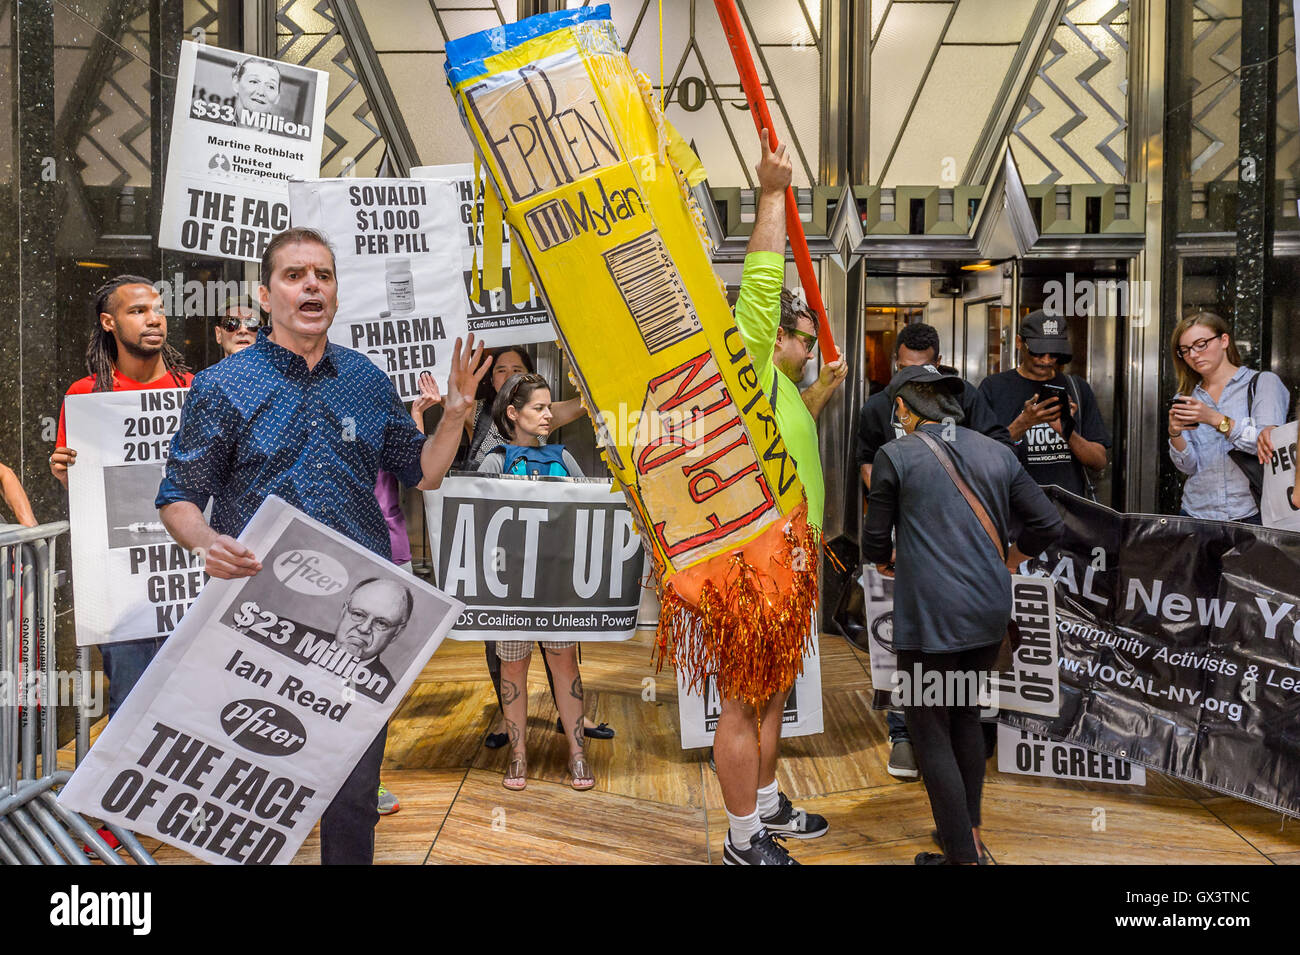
x=310, y=572
x=263, y=727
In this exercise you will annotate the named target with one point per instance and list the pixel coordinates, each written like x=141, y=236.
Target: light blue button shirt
x=1216, y=488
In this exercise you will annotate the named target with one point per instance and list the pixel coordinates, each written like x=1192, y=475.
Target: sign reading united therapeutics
x=260, y=704
x=133, y=581
x=1179, y=648
x=545, y=558
x=242, y=127
x=397, y=249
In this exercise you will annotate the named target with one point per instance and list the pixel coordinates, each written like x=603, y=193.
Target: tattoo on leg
x=512, y=730
x=575, y=690
x=509, y=691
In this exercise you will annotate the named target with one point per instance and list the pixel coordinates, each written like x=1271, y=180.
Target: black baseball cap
x=1045, y=334
x=948, y=381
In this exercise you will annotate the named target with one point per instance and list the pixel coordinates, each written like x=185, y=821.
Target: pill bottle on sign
x=401, y=285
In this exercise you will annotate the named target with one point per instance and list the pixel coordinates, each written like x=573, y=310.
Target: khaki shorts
x=512, y=651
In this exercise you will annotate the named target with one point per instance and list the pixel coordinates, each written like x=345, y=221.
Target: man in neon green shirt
x=780, y=335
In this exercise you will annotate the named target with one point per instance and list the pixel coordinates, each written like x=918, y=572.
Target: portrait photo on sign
x=316, y=603
x=250, y=92
x=131, y=518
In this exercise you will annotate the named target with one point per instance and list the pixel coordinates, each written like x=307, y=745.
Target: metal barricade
x=34, y=828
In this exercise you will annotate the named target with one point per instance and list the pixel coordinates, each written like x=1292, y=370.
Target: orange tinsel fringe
x=748, y=632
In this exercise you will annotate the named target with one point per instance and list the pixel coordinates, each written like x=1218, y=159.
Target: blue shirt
x=259, y=422
x=1216, y=488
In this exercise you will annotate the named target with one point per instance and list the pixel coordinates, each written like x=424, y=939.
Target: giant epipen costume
x=595, y=184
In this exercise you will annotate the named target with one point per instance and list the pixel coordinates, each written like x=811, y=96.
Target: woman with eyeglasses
x=1221, y=406
x=522, y=414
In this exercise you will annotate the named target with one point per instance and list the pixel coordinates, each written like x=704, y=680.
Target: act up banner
x=537, y=558
x=133, y=581
x=242, y=127
x=1179, y=647
x=397, y=250
x=493, y=316
x=259, y=706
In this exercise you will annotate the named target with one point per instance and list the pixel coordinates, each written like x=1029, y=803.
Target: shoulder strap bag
x=1248, y=462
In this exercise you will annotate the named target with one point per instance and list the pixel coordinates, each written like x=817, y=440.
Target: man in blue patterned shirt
x=312, y=422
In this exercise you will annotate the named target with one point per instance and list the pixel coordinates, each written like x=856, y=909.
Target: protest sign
x=397, y=251
x=548, y=558
x=1026, y=754
x=802, y=716
x=1275, y=507
x=256, y=710
x=1032, y=685
x=242, y=127
x=1179, y=647
x=493, y=316
x=133, y=581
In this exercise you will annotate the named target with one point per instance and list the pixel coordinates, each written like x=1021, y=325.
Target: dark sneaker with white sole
x=796, y=823
x=902, y=761
x=764, y=849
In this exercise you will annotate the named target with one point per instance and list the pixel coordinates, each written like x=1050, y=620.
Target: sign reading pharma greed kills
x=698, y=714
x=493, y=317
x=552, y=558
x=397, y=249
x=133, y=581
x=1027, y=754
x=257, y=709
x=242, y=127
x=1276, y=509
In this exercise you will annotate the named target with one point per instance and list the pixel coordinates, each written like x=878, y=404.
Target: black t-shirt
x=1047, y=456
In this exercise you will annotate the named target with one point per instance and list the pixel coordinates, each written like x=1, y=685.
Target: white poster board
x=1275, y=507
x=242, y=127
x=803, y=708
x=1028, y=754
x=492, y=316
x=133, y=581
x=256, y=710
x=397, y=251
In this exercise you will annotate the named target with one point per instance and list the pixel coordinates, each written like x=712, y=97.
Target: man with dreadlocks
x=128, y=351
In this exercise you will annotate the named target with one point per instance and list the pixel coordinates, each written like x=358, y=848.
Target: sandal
x=516, y=777
x=581, y=772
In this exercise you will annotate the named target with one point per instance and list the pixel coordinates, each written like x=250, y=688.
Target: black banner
x=1179, y=647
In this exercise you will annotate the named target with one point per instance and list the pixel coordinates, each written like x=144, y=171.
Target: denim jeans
x=897, y=727
x=124, y=664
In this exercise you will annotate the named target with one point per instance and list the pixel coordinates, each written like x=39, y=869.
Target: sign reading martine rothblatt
x=242, y=127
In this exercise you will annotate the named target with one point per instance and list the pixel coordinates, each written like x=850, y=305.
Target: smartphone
x=1056, y=389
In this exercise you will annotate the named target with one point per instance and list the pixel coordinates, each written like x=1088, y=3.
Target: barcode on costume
x=653, y=291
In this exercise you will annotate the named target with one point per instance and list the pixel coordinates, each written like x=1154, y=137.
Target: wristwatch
x=1225, y=425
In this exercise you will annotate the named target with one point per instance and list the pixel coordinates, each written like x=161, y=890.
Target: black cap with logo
x=927, y=374
x=1045, y=334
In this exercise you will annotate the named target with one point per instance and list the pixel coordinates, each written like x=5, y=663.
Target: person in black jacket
x=917, y=344
x=952, y=594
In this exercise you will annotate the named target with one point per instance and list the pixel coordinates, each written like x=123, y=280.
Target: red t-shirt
x=85, y=386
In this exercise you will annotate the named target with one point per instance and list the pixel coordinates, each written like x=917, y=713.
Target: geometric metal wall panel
x=1074, y=125
x=1216, y=90
x=113, y=144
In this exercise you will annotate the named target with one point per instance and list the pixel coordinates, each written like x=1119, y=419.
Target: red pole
x=749, y=81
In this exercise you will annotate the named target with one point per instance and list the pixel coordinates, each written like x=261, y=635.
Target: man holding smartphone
x=1055, y=415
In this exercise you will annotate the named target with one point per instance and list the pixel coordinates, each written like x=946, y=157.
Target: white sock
x=769, y=800
x=744, y=828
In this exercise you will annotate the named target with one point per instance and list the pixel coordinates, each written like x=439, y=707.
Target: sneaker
x=764, y=849
x=902, y=761
x=930, y=858
x=388, y=803
x=796, y=823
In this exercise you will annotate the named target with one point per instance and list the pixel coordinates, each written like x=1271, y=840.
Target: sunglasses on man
x=232, y=323
x=809, y=341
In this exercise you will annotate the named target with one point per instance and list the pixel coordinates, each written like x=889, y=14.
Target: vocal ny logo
x=74, y=907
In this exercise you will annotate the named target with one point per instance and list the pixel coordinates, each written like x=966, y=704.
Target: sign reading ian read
x=263, y=699
x=133, y=581
x=553, y=558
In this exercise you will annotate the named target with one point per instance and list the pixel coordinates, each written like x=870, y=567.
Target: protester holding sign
x=522, y=413
x=952, y=596
x=128, y=351
x=311, y=422
x=1220, y=408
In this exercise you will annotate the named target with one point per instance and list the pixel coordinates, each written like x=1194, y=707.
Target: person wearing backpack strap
x=952, y=590
x=1221, y=407
x=522, y=413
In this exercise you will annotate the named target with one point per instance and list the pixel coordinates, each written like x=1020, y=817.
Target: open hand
x=468, y=367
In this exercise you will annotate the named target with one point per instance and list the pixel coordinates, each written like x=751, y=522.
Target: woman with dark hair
x=1221, y=406
x=948, y=495
x=522, y=415
x=484, y=436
